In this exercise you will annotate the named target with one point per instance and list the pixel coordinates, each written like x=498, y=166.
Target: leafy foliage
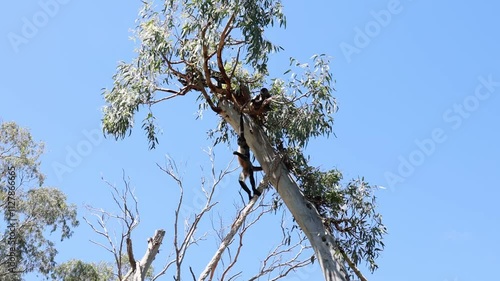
x=349, y=210
x=303, y=105
x=213, y=48
x=358, y=226
x=177, y=46
x=18, y=149
x=37, y=211
x=76, y=270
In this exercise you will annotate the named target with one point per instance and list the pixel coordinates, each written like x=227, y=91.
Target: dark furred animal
x=247, y=167
x=260, y=102
x=242, y=95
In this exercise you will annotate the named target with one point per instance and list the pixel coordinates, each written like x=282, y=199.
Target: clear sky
x=417, y=85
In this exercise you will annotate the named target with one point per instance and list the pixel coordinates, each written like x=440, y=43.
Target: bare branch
x=229, y=237
x=127, y=218
x=209, y=100
x=174, y=94
x=102, y=233
x=180, y=247
x=234, y=260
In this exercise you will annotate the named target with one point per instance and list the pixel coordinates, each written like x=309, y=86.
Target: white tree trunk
x=305, y=214
x=142, y=266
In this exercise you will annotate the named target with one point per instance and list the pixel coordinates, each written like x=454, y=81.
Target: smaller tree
x=76, y=270
x=28, y=208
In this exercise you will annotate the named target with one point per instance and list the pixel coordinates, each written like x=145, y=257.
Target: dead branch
x=128, y=219
x=229, y=237
x=154, y=243
x=241, y=234
x=274, y=260
x=182, y=244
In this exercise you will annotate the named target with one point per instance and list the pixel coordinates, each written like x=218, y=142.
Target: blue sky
x=417, y=87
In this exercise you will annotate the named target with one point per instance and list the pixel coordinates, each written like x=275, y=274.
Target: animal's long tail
x=242, y=129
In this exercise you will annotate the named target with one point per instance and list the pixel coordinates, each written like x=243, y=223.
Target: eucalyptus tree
x=217, y=51
x=76, y=270
x=30, y=211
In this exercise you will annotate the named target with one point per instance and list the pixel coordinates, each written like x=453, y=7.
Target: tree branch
x=304, y=212
x=206, y=59
x=352, y=265
x=153, y=249
x=130, y=253
x=212, y=264
x=222, y=41
x=181, y=248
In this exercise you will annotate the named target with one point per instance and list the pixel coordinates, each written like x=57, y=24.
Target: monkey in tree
x=247, y=167
x=217, y=76
x=260, y=103
x=242, y=95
